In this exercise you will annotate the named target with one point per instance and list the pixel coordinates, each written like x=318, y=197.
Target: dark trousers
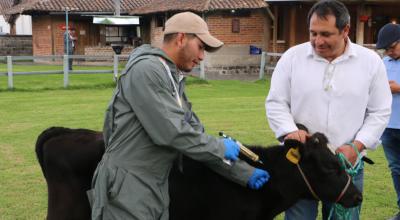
x=391, y=146
x=70, y=60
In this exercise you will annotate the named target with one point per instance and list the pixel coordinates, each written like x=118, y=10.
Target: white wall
x=23, y=25
x=4, y=26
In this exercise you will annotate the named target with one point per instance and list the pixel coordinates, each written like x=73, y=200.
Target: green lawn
x=39, y=102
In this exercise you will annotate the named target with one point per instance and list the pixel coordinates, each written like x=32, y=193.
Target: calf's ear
x=319, y=139
x=294, y=149
x=291, y=143
x=293, y=155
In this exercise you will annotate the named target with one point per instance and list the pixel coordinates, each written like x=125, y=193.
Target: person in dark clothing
x=389, y=40
x=69, y=45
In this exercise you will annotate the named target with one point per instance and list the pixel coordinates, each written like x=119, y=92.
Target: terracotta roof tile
x=196, y=5
x=131, y=6
x=171, y=5
x=229, y=4
x=6, y=5
x=75, y=5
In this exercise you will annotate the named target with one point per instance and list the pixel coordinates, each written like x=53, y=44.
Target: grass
x=39, y=101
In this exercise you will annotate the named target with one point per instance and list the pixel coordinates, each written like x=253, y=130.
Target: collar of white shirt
x=348, y=53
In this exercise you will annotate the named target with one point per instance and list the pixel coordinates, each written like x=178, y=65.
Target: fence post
x=202, y=72
x=262, y=66
x=10, y=72
x=66, y=71
x=115, y=67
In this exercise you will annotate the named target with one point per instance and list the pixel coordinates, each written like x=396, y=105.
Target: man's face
x=190, y=53
x=327, y=41
x=393, y=50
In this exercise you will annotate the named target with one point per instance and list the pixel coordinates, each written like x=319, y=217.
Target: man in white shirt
x=330, y=85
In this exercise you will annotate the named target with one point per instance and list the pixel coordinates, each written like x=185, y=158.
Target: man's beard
x=183, y=58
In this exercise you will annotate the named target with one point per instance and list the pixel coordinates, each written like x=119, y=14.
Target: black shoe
x=396, y=217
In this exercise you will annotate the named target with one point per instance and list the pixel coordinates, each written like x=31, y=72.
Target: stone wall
x=248, y=72
x=16, y=45
x=233, y=62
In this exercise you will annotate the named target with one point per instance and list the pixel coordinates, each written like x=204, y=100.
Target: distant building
x=367, y=17
x=49, y=22
x=238, y=23
x=243, y=25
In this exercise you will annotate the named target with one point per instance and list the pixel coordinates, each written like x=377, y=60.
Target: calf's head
x=326, y=178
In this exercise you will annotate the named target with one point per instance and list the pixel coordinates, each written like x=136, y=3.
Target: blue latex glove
x=258, y=179
x=231, y=150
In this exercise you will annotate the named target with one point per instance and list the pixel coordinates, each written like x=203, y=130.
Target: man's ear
x=346, y=31
x=180, y=39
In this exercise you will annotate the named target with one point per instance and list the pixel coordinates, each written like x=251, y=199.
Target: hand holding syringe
x=244, y=150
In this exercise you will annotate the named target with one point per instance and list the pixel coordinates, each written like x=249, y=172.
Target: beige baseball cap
x=188, y=22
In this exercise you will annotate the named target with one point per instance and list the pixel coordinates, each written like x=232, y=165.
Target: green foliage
x=39, y=101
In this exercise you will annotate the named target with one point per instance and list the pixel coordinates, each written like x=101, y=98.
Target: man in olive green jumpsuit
x=149, y=122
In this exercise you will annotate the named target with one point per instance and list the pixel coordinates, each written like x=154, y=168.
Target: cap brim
x=212, y=43
x=380, y=46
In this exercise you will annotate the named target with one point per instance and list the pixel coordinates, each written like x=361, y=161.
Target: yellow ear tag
x=293, y=155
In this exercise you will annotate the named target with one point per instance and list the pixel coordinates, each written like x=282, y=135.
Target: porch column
x=292, y=29
x=275, y=29
x=360, y=25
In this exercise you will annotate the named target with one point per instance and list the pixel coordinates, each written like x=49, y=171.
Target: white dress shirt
x=346, y=99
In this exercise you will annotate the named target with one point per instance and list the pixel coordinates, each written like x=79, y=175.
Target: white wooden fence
x=268, y=62
x=10, y=60
x=267, y=65
x=51, y=60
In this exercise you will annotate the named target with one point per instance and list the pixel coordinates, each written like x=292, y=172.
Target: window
x=280, y=24
x=159, y=21
x=120, y=34
x=235, y=25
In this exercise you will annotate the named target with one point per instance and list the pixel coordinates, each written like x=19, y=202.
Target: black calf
x=69, y=157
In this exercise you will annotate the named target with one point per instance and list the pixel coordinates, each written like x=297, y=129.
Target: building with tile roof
x=271, y=25
x=367, y=17
x=239, y=23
